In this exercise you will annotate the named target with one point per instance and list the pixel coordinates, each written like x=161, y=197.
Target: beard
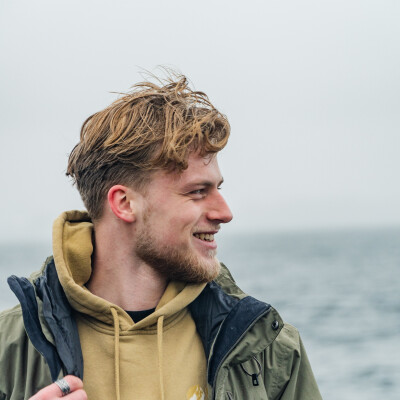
x=179, y=264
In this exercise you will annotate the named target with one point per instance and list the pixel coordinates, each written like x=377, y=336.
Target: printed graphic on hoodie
x=195, y=393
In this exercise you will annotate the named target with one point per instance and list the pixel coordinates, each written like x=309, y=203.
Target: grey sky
x=311, y=89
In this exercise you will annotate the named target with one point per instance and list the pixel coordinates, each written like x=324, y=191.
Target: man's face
x=181, y=216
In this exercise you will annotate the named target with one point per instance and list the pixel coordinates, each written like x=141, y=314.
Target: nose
x=219, y=210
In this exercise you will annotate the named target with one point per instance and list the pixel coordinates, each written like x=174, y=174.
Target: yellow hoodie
x=160, y=357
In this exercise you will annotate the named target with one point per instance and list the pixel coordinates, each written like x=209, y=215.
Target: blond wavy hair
x=155, y=126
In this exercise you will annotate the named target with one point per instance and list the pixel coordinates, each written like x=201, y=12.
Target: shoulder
x=278, y=347
x=289, y=338
x=287, y=369
x=13, y=337
x=12, y=340
x=11, y=324
x=23, y=369
x=286, y=350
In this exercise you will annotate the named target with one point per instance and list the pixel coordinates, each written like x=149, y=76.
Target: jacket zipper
x=233, y=346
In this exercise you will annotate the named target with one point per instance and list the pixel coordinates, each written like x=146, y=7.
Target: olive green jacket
x=251, y=353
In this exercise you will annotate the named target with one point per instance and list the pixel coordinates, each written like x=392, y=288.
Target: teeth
x=205, y=236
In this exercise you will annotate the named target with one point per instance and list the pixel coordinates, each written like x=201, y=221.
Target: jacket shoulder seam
x=12, y=311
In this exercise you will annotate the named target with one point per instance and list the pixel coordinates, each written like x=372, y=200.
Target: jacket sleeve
x=291, y=376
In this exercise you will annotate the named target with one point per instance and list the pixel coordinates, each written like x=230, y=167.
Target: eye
x=198, y=194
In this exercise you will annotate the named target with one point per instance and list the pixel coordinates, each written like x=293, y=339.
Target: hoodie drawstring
x=160, y=329
x=160, y=323
x=116, y=351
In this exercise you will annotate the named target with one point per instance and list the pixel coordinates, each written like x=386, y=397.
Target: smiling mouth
x=207, y=237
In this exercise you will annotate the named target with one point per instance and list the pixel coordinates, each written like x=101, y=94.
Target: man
x=134, y=304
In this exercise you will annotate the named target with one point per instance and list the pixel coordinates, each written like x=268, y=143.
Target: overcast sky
x=311, y=89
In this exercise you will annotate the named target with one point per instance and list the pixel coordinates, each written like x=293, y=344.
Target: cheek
x=171, y=222
x=178, y=229
x=187, y=221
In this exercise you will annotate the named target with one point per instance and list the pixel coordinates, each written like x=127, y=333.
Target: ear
x=121, y=201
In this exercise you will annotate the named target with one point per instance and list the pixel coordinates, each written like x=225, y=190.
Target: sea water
x=340, y=289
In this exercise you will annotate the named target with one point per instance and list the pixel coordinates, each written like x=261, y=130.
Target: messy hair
x=155, y=126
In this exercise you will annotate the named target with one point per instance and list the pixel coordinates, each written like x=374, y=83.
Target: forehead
x=200, y=169
x=201, y=166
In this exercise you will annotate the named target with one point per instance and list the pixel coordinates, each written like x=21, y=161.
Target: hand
x=53, y=392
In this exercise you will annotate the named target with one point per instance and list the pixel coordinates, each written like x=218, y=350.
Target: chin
x=209, y=271
x=199, y=271
x=179, y=263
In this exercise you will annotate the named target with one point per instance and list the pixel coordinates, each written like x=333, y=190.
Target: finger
x=74, y=384
x=54, y=392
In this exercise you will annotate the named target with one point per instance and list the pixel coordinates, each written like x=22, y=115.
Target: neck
x=121, y=278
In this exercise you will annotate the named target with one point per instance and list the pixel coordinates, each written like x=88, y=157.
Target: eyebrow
x=202, y=183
